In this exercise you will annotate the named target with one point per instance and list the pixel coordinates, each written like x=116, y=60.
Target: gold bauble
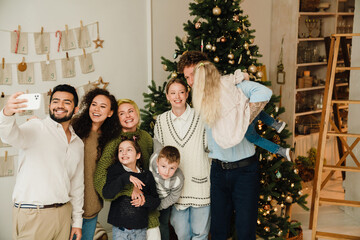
x=246, y=45
x=232, y=62
x=258, y=222
x=231, y=56
x=223, y=39
x=262, y=181
x=267, y=207
x=292, y=185
x=269, y=198
x=216, y=59
x=216, y=11
x=251, y=40
x=208, y=46
x=155, y=117
x=152, y=104
x=280, y=233
x=197, y=25
x=184, y=39
x=213, y=48
x=173, y=75
x=296, y=171
x=300, y=193
x=252, y=68
x=259, y=74
x=236, y=18
x=267, y=229
x=273, y=202
x=289, y=199
x=248, y=52
x=238, y=30
x=261, y=196
x=164, y=67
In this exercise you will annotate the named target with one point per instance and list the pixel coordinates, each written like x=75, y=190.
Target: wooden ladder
x=326, y=122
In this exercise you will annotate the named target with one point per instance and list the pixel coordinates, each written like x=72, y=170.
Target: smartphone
x=34, y=100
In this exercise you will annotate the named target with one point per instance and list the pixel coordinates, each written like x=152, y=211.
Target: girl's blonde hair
x=206, y=91
x=126, y=100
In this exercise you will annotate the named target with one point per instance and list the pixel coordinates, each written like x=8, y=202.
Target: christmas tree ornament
x=216, y=11
x=292, y=185
x=275, y=209
x=273, y=202
x=282, y=205
x=267, y=207
x=173, y=75
x=278, y=175
x=269, y=198
x=155, y=117
x=98, y=42
x=300, y=193
x=223, y=39
x=240, y=59
x=259, y=74
x=164, y=67
x=231, y=62
x=152, y=104
x=246, y=45
x=238, y=30
x=251, y=40
x=262, y=181
x=289, y=199
x=216, y=59
x=261, y=197
x=267, y=229
x=280, y=233
x=270, y=157
x=22, y=66
x=230, y=55
x=236, y=18
x=213, y=48
x=252, y=68
x=296, y=171
x=197, y=25
x=258, y=222
x=208, y=46
x=248, y=52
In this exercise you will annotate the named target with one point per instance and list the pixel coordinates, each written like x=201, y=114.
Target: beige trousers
x=36, y=224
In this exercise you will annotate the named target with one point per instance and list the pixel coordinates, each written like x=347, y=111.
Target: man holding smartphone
x=49, y=187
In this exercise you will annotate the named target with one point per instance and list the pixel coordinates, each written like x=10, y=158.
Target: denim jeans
x=164, y=223
x=88, y=228
x=126, y=234
x=191, y=223
x=253, y=137
x=234, y=190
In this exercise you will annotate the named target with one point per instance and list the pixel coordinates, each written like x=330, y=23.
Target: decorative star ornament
x=98, y=43
x=99, y=82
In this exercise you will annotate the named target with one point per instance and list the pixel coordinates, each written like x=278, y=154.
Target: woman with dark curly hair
x=96, y=125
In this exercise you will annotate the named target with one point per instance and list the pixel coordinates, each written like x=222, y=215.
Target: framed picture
x=280, y=77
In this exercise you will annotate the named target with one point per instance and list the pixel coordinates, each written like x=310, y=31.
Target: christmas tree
x=222, y=31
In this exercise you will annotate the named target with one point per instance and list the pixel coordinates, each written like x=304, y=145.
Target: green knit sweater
x=107, y=159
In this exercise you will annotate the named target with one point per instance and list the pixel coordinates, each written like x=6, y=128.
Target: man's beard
x=61, y=120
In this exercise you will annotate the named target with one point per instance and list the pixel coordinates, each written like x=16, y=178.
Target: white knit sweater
x=194, y=161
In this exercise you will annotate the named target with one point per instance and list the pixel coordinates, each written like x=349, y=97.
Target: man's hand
x=12, y=105
x=138, y=198
x=77, y=232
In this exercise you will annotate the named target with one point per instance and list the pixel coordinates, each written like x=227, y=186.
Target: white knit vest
x=194, y=161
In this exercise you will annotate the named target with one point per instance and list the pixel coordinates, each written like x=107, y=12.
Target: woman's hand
x=138, y=198
x=137, y=183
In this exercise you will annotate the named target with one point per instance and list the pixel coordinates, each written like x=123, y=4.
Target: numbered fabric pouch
x=86, y=63
x=42, y=43
x=46, y=98
x=6, y=166
x=68, y=67
x=83, y=37
x=5, y=75
x=22, y=47
x=27, y=76
x=68, y=40
x=48, y=71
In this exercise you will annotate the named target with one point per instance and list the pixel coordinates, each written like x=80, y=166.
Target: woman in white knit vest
x=182, y=128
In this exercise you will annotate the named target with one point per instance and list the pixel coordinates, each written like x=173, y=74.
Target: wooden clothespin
x=47, y=58
x=19, y=29
x=84, y=52
x=81, y=25
x=3, y=63
x=67, y=55
x=6, y=154
x=49, y=92
x=27, y=91
x=2, y=94
x=66, y=29
x=42, y=30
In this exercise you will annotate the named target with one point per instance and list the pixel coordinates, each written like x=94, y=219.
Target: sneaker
x=288, y=155
x=282, y=126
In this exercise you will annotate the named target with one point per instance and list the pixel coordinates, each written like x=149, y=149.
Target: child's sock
x=279, y=126
x=285, y=152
